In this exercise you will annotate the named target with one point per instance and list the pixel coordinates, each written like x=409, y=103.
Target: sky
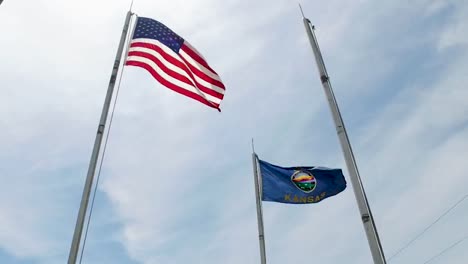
x=177, y=185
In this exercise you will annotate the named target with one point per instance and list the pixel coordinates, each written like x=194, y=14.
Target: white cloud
x=178, y=178
x=453, y=35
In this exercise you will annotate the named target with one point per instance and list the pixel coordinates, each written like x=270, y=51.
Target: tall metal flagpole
x=97, y=145
x=364, y=209
x=261, y=236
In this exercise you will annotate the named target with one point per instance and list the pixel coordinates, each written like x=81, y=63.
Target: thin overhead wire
x=445, y=250
x=428, y=227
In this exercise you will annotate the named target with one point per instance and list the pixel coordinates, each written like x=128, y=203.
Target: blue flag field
x=299, y=185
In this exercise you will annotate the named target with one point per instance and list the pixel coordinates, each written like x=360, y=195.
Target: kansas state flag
x=299, y=185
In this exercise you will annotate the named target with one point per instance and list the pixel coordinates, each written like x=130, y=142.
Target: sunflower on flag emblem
x=304, y=180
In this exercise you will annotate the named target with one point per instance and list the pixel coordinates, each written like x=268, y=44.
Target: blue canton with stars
x=152, y=29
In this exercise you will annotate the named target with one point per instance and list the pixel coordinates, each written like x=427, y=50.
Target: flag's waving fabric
x=299, y=185
x=174, y=63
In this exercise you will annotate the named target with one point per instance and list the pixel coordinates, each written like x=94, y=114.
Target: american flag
x=174, y=62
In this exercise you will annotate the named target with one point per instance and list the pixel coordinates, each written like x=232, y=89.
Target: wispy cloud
x=177, y=182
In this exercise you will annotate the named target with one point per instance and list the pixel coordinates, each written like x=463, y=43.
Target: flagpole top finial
x=253, y=146
x=302, y=12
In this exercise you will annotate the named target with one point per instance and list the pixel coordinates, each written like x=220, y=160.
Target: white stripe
x=177, y=69
x=208, y=85
x=159, y=44
x=197, y=65
x=174, y=81
x=162, y=59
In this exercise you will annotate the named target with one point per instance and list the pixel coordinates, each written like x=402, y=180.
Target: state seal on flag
x=304, y=181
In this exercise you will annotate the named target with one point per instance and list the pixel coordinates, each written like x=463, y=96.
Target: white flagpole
x=364, y=209
x=261, y=235
x=75, y=245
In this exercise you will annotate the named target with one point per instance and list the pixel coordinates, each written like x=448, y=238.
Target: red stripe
x=176, y=63
x=203, y=88
x=172, y=86
x=196, y=57
x=161, y=65
x=164, y=54
x=210, y=92
x=203, y=76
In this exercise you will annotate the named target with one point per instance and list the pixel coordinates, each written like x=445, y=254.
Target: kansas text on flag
x=299, y=185
x=174, y=62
